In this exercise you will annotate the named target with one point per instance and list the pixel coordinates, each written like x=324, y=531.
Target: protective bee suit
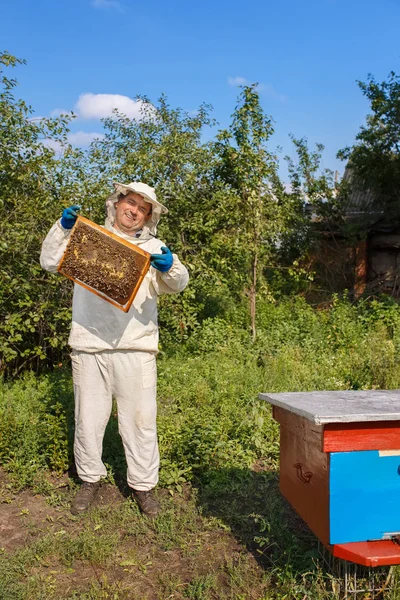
x=113, y=353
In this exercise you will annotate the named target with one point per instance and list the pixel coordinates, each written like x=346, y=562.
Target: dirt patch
x=25, y=515
x=109, y=495
x=178, y=554
x=21, y=516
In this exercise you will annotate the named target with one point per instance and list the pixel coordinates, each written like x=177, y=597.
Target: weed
x=90, y=545
x=170, y=584
x=103, y=590
x=201, y=588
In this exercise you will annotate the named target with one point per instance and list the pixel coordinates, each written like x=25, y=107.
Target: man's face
x=131, y=213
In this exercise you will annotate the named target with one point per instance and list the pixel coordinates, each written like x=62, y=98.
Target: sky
x=306, y=55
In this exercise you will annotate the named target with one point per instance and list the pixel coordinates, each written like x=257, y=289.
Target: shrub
x=33, y=433
x=210, y=418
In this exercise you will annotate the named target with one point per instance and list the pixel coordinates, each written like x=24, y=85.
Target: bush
x=210, y=418
x=33, y=433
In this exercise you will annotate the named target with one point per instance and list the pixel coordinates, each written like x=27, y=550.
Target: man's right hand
x=69, y=216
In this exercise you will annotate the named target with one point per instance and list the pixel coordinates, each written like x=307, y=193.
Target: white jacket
x=98, y=325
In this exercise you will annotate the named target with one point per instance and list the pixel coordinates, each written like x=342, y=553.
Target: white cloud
x=59, y=111
x=107, y=5
x=82, y=138
x=98, y=106
x=267, y=88
x=237, y=81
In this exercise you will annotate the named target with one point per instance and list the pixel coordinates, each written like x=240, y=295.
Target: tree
x=34, y=307
x=374, y=159
x=251, y=209
x=229, y=212
x=312, y=206
x=164, y=148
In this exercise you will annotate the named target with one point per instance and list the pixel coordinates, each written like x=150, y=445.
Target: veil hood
x=149, y=195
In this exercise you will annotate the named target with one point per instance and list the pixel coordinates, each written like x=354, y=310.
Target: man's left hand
x=162, y=262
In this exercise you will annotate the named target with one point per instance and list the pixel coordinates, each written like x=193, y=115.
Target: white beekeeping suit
x=113, y=353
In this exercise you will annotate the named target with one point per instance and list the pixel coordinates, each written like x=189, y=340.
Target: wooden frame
x=81, y=253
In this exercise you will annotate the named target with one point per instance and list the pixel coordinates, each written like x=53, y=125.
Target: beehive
x=340, y=468
x=104, y=263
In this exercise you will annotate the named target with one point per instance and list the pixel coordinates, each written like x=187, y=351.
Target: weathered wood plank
x=347, y=406
x=304, y=471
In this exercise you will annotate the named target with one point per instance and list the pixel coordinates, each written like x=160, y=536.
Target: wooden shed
x=368, y=261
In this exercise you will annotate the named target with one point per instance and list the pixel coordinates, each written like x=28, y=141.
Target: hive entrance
x=105, y=264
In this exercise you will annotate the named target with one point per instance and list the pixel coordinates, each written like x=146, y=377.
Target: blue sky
x=85, y=55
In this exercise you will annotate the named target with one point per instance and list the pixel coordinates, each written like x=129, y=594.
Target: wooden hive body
x=104, y=263
x=340, y=464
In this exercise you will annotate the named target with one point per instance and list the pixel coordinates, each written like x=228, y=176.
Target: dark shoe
x=147, y=502
x=84, y=497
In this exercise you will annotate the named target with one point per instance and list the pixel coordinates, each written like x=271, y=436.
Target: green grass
x=225, y=531
x=208, y=544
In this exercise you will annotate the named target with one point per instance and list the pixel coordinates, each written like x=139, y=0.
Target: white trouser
x=130, y=377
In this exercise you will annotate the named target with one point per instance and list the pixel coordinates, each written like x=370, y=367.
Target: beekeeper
x=114, y=353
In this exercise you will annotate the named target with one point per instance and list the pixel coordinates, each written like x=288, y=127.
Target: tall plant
x=34, y=307
x=249, y=172
x=164, y=148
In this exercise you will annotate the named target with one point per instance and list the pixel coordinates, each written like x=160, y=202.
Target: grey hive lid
x=347, y=406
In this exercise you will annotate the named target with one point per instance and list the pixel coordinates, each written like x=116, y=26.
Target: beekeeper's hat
x=149, y=195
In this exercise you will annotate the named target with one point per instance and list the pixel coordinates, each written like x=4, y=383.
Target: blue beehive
x=340, y=462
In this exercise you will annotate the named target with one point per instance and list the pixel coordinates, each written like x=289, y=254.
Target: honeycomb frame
x=104, y=263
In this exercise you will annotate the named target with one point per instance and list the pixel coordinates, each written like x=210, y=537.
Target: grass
x=115, y=550
x=225, y=531
x=239, y=544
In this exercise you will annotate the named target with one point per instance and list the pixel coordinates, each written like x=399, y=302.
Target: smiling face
x=131, y=213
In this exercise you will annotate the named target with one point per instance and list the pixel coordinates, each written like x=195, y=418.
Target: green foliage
x=311, y=203
x=239, y=230
x=33, y=433
x=374, y=159
x=310, y=185
x=210, y=417
x=242, y=234
x=201, y=588
x=34, y=307
x=215, y=418
x=223, y=213
x=90, y=545
x=213, y=432
x=230, y=216
x=249, y=173
x=306, y=179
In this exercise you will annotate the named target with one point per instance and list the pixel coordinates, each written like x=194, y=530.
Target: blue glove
x=162, y=262
x=69, y=216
